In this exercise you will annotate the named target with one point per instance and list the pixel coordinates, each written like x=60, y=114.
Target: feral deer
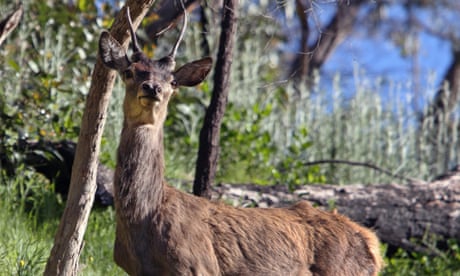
x=163, y=231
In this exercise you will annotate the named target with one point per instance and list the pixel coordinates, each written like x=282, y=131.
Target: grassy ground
x=27, y=230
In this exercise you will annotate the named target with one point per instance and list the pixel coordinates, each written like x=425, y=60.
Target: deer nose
x=152, y=89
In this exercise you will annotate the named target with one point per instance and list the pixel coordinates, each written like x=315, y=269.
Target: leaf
x=33, y=66
x=14, y=65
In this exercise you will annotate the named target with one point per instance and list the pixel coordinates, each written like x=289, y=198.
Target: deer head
x=149, y=83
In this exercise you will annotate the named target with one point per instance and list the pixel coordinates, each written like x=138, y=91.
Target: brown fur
x=163, y=231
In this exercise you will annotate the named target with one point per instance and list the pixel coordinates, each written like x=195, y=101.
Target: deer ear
x=113, y=55
x=193, y=73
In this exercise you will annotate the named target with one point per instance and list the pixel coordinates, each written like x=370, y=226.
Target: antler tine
x=172, y=55
x=133, y=34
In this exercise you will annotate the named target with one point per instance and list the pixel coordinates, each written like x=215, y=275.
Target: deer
x=161, y=230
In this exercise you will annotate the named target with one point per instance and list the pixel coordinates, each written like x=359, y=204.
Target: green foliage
x=292, y=169
x=46, y=67
x=411, y=263
x=46, y=74
x=249, y=161
x=258, y=158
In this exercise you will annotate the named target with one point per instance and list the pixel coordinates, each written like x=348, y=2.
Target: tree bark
x=419, y=217
x=68, y=243
x=208, y=152
x=312, y=57
x=411, y=217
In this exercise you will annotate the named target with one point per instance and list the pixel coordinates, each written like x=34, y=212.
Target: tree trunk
x=447, y=96
x=312, y=57
x=208, y=151
x=68, y=243
x=438, y=124
x=416, y=217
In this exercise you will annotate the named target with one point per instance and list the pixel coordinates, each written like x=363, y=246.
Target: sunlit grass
x=26, y=237
x=24, y=242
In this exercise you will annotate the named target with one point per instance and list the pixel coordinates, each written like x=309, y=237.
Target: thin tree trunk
x=68, y=243
x=204, y=30
x=208, y=152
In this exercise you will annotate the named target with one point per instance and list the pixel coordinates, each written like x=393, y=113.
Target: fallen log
x=418, y=217
x=54, y=159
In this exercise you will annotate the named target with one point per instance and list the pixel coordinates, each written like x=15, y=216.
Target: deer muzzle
x=151, y=91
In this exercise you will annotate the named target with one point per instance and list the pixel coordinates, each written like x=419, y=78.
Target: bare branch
x=169, y=12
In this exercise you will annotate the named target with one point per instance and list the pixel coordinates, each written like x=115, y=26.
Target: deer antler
x=136, y=48
x=172, y=55
x=8, y=24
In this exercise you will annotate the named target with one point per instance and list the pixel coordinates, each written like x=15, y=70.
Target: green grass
x=415, y=264
x=25, y=241
x=96, y=258
x=27, y=228
x=23, y=248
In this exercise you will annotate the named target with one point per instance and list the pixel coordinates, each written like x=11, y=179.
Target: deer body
x=163, y=231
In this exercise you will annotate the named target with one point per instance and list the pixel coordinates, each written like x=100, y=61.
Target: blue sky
x=377, y=56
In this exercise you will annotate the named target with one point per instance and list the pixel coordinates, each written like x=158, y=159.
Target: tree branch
x=168, y=13
x=335, y=32
x=312, y=57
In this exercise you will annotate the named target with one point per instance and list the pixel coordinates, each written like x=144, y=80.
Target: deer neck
x=139, y=182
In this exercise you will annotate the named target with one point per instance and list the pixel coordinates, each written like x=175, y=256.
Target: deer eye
x=128, y=74
x=174, y=83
